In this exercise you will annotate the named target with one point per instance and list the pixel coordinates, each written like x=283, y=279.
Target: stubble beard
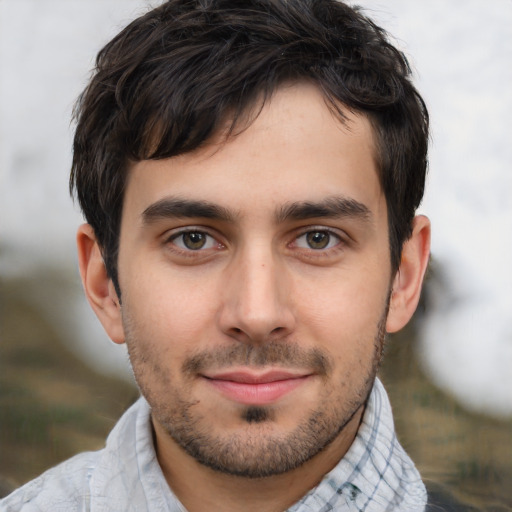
x=257, y=451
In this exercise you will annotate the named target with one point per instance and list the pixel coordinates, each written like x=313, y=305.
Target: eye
x=317, y=240
x=194, y=241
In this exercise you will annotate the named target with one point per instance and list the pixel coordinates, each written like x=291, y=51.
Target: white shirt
x=375, y=475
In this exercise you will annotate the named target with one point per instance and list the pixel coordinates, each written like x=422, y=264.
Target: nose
x=257, y=304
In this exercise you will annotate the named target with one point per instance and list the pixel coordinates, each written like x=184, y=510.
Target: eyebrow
x=172, y=207
x=330, y=207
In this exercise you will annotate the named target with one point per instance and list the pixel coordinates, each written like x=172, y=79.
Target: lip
x=250, y=388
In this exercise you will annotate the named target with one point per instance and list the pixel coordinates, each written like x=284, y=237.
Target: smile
x=253, y=389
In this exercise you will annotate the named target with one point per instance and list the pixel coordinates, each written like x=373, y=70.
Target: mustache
x=278, y=353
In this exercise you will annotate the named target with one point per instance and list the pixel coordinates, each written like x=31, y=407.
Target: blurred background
x=63, y=384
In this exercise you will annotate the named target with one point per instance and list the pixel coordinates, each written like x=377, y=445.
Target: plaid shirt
x=375, y=475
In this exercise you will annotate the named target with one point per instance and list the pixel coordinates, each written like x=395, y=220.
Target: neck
x=228, y=493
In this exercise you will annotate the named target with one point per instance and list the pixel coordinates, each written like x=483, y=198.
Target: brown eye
x=318, y=239
x=194, y=240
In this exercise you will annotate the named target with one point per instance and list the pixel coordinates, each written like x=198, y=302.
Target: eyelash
x=171, y=241
x=332, y=236
x=340, y=242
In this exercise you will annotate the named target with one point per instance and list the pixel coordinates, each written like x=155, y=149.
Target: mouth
x=252, y=388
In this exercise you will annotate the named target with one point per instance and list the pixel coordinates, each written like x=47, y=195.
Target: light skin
x=256, y=288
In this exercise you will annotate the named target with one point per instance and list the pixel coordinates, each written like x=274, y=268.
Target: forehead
x=295, y=149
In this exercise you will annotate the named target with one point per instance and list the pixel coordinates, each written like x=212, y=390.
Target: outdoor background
x=63, y=383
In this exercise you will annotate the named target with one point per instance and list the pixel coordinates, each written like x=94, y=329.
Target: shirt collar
x=375, y=475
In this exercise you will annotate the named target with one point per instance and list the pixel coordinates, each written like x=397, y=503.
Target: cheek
x=342, y=314
x=169, y=310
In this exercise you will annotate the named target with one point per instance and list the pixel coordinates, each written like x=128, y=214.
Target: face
x=255, y=277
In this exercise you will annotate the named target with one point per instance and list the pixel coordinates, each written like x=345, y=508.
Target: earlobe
x=98, y=287
x=408, y=281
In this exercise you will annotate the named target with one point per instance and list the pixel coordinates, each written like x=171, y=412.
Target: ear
x=408, y=281
x=98, y=287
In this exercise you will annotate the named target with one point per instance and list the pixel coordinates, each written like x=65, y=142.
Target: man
x=249, y=173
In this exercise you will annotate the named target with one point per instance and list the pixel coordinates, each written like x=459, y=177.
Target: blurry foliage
x=469, y=454
x=52, y=405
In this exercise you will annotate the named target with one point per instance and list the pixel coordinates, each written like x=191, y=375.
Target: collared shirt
x=375, y=475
